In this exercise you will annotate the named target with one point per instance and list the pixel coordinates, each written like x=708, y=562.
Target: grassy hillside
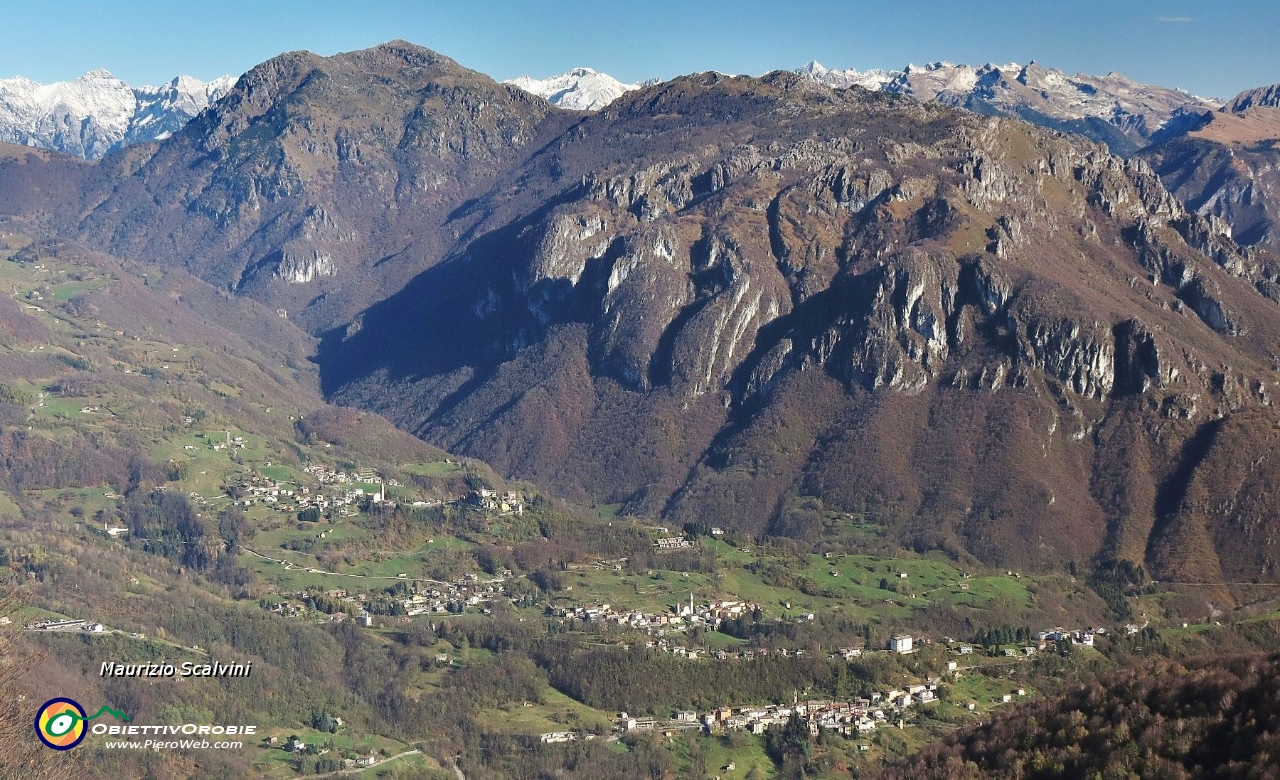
x=146, y=420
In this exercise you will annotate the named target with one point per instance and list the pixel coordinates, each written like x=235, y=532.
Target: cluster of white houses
x=325, y=475
x=743, y=654
x=493, y=501
x=1084, y=636
x=340, y=491
x=849, y=718
x=332, y=494
x=67, y=625
x=844, y=717
x=1080, y=636
x=454, y=597
x=216, y=441
x=679, y=618
x=667, y=543
x=437, y=598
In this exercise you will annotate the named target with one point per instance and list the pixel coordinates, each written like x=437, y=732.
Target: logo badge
x=60, y=723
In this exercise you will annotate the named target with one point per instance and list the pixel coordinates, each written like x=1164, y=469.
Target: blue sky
x=1210, y=48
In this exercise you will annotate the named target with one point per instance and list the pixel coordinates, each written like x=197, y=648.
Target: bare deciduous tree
x=22, y=756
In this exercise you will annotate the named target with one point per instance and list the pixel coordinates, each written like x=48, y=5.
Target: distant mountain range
x=98, y=112
x=1113, y=109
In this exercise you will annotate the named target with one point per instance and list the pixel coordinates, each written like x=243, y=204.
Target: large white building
x=900, y=644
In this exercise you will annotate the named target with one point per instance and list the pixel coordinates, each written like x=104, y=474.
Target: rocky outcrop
x=310, y=249
x=1138, y=364
x=1081, y=357
x=920, y=315
x=1260, y=97
x=893, y=335
x=645, y=291
x=296, y=269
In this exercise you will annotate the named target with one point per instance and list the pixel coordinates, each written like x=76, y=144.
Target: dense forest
x=651, y=682
x=1213, y=717
x=37, y=460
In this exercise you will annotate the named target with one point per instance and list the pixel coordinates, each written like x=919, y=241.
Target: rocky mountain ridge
x=1260, y=97
x=701, y=300
x=1227, y=164
x=1113, y=109
x=313, y=171
x=756, y=303
x=98, y=112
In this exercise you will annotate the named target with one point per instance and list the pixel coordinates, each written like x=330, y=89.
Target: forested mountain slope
x=758, y=303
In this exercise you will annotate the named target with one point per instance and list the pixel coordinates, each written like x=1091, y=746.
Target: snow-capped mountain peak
x=873, y=80
x=98, y=112
x=581, y=89
x=812, y=68
x=1119, y=111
